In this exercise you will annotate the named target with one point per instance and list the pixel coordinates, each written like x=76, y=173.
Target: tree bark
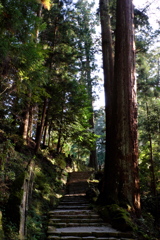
x=152, y=168
x=30, y=125
x=27, y=194
x=59, y=139
x=40, y=127
x=92, y=157
x=125, y=109
x=108, y=69
x=60, y=133
x=121, y=169
x=46, y=126
x=25, y=125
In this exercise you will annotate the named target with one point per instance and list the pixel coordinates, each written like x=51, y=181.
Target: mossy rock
x=120, y=218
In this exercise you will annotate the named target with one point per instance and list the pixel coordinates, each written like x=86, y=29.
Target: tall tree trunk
x=152, y=169
x=108, y=69
x=59, y=139
x=40, y=127
x=45, y=134
x=27, y=119
x=26, y=199
x=125, y=152
x=49, y=135
x=60, y=133
x=25, y=125
x=46, y=126
x=93, y=157
x=30, y=125
x=121, y=169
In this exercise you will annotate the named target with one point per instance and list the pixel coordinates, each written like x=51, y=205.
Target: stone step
x=74, y=200
x=103, y=231
x=77, y=186
x=72, y=203
x=72, y=212
x=75, y=220
x=75, y=190
x=79, y=175
x=74, y=224
x=67, y=207
x=86, y=238
x=77, y=182
x=72, y=197
x=75, y=217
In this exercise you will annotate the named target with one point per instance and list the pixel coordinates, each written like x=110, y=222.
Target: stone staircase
x=74, y=219
x=77, y=182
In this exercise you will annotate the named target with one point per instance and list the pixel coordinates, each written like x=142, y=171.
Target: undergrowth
x=50, y=176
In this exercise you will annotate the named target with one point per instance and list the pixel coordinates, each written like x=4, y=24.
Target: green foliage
x=48, y=185
x=10, y=231
x=142, y=27
x=47, y=190
x=149, y=110
x=146, y=227
x=41, y=59
x=148, y=119
x=60, y=161
x=13, y=214
x=12, y=164
x=35, y=225
x=140, y=19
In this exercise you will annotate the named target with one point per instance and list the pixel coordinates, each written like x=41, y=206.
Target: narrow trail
x=75, y=220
